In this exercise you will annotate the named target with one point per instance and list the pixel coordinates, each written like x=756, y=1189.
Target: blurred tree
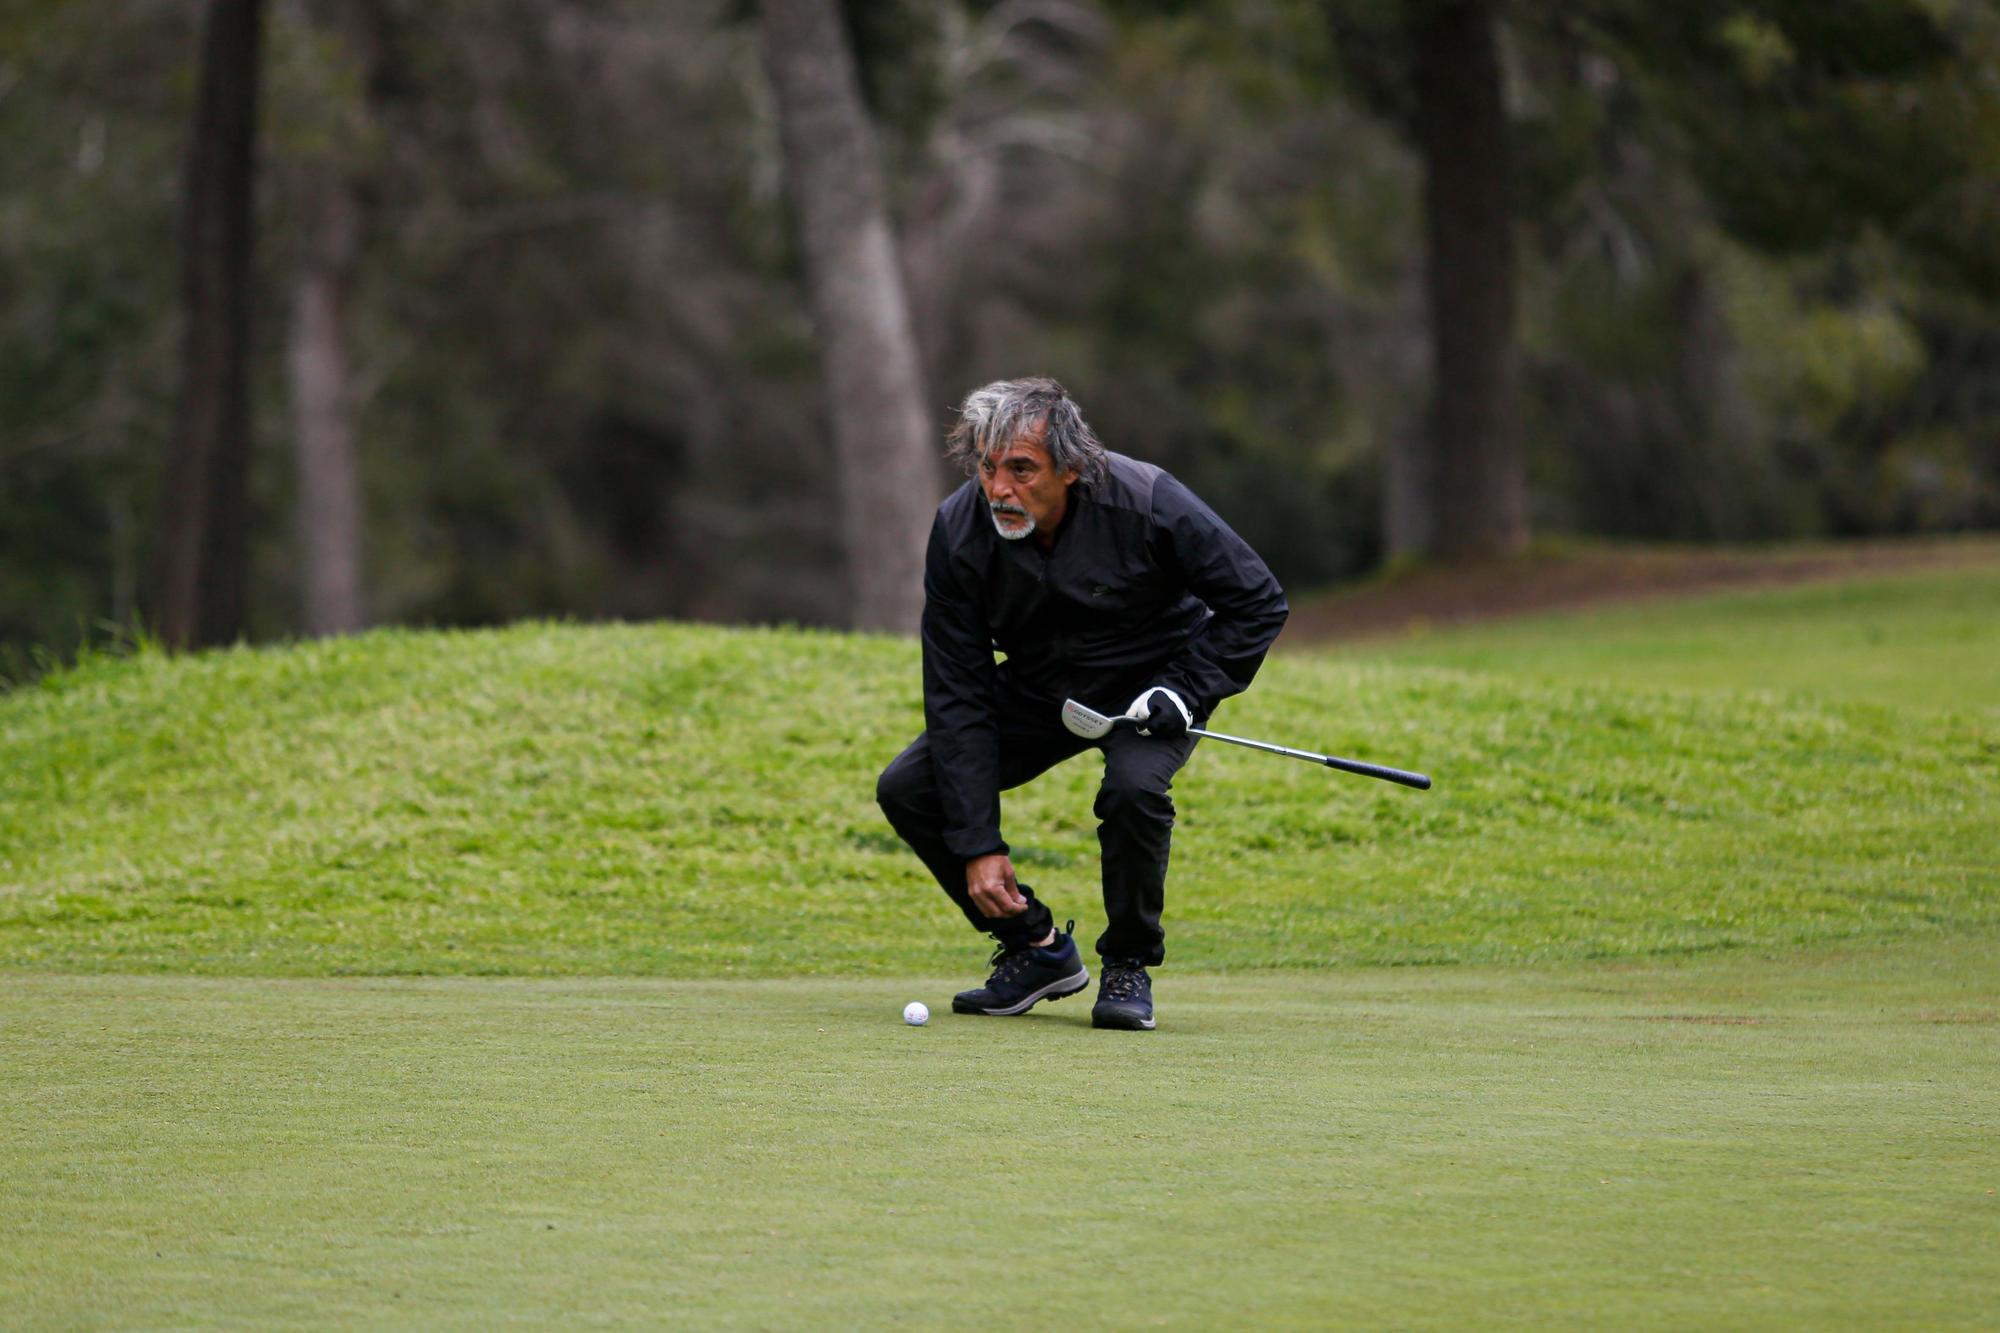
x=87, y=287
x=327, y=175
x=1804, y=122
x=581, y=378
x=1474, y=486
x=1657, y=139
x=882, y=470
x=987, y=110
x=1802, y=189
x=584, y=378
x=200, y=592
x=341, y=59
x=1634, y=401
x=1458, y=489
x=1213, y=252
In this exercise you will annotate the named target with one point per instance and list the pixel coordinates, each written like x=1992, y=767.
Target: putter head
x=1086, y=722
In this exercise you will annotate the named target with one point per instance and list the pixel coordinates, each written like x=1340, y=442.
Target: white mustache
x=1016, y=524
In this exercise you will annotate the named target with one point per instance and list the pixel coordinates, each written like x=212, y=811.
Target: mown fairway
x=1805, y=1143
x=1720, y=1047
x=1918, y=640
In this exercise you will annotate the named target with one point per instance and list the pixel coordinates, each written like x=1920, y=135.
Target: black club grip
x=1404, y=776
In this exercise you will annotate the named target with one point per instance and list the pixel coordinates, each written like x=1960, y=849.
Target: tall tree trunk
x=328, y=505
x=328, y=510
x=1406, y=497
x=201, y=579
x=1407, y=465
x=883, y=449
x=1478, y=493
x=1715, y=415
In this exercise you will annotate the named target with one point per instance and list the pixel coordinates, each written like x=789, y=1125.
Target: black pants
x=1135, y=829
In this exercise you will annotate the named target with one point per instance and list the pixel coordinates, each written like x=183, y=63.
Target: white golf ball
x=916, y=1013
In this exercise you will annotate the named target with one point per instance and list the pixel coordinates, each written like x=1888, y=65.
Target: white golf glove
x=1160, y=712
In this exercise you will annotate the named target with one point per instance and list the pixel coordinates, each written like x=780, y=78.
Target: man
x=1102, y=579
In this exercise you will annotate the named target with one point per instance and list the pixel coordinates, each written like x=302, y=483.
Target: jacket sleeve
x=1220, y=568
x=959, y=699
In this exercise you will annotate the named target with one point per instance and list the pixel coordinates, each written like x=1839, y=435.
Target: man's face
x=1023, y=488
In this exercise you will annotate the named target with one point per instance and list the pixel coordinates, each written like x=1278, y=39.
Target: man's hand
x=1160, y=712
x=989, y=882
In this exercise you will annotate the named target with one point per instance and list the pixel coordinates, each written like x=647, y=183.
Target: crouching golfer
x=1101, y=579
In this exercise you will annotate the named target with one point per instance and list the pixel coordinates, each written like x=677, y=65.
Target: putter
x=1091, y=724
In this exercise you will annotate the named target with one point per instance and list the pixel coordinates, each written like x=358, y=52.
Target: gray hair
x=1005, y=410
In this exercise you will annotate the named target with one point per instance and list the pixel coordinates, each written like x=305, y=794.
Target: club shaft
x=1387, y=774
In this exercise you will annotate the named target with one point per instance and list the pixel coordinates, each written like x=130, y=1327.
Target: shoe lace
x=1007, y=960
x=1006, y=963
x=1122, y=981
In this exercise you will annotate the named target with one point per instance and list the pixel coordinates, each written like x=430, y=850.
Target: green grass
x=1922, y=640
x=679, y=801
x=1726, y=1141
x=1723, y=881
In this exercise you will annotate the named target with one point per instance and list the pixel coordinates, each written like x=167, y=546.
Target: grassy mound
x=682, y=801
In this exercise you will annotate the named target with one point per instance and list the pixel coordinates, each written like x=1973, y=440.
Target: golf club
x=1090, y=724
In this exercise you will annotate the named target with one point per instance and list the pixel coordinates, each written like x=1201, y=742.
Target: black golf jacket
x=1144, y=586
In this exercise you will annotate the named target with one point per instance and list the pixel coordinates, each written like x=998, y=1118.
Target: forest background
x=316, y=314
